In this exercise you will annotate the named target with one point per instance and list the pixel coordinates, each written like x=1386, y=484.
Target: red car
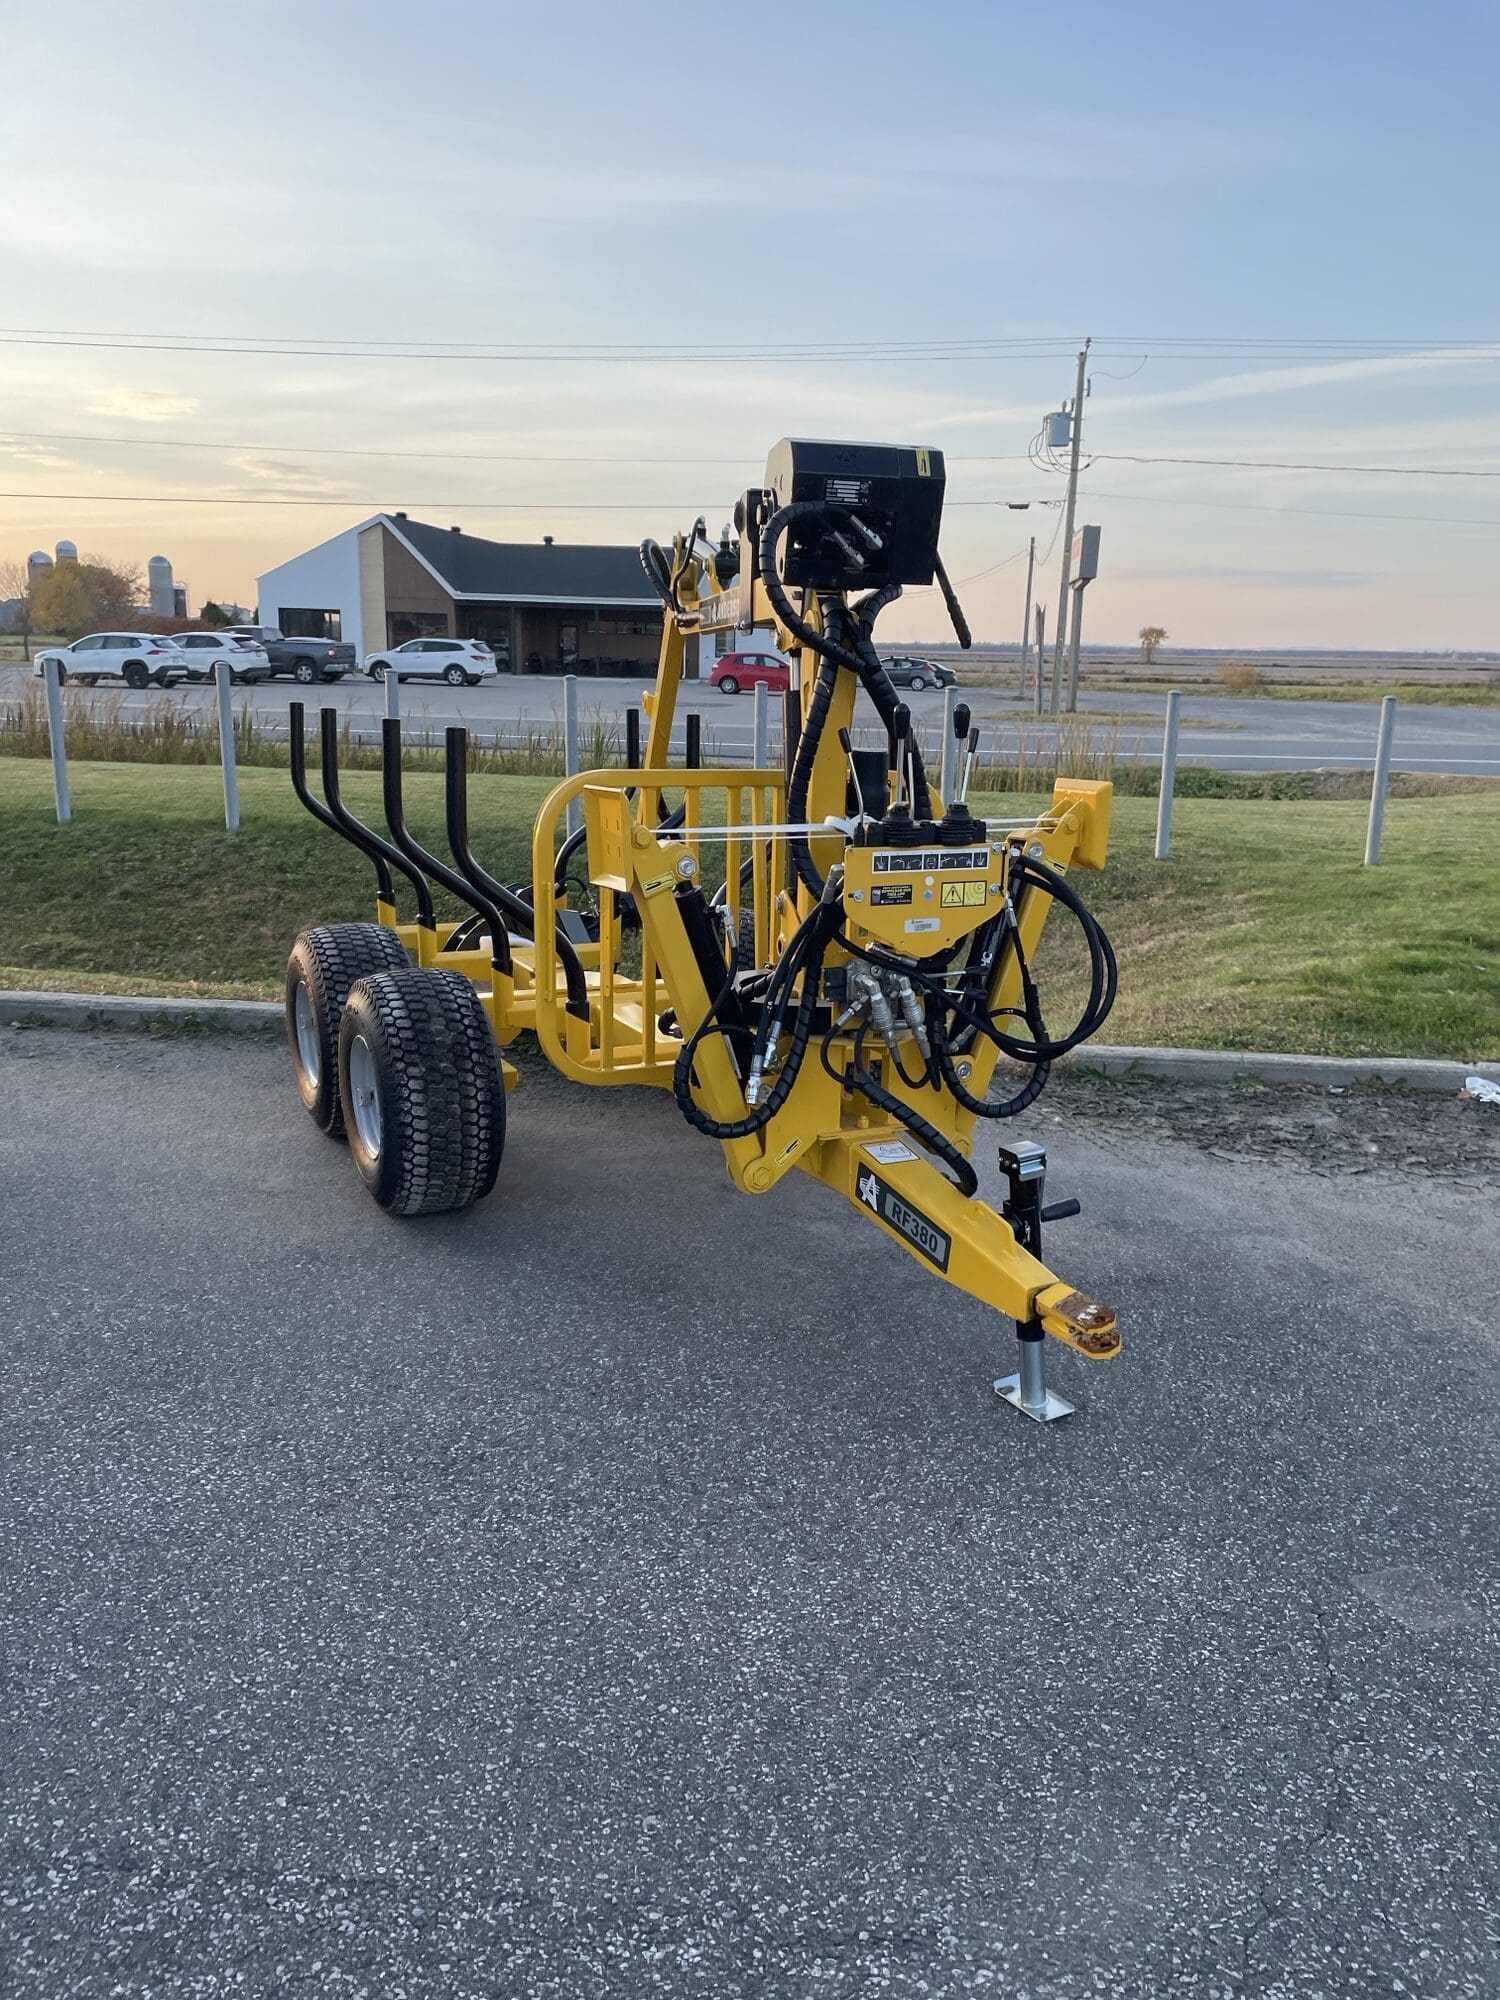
x=737, y=673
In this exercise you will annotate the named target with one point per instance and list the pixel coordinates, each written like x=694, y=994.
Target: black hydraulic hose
x=822, y=924
x=654, y=563
x=984, y=1107
x=802, y=769
x=1104, y=974
x=921, y=1129
x=861, y=657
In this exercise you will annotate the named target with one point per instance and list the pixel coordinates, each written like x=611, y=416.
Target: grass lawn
x=1263, y=931
x=1415, y=694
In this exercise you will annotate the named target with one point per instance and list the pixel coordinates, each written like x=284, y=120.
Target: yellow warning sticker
x=658, y=882
x=963, y=895
x=924, y=462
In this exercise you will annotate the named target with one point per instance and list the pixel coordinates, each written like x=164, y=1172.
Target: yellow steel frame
x=824, y=1129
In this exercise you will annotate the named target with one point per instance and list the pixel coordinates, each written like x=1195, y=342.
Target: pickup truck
x=306, y=660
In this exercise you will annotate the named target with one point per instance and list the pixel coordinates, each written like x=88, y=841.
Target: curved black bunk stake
x=369, y=843
x=456, y=801
x=430, y=864
x=297, y=748
x=296, y=719
x=517, y=909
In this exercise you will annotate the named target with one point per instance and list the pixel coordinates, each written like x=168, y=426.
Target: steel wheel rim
x=309, y=1047
x=365, y=1093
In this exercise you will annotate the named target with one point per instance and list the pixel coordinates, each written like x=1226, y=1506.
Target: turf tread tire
x=442, y=1101
x=328, y=959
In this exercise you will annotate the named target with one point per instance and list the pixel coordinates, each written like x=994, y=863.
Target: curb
x=265, y=1017
x=140, y=1011
x=1251, y=1066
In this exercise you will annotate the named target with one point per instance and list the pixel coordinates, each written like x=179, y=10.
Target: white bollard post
x=945, y=782
x=222, y=683
x=1168, y=776
x=1382, y=779
x=761, y=753
x=570, y=744
x=392, y=694
x=52, y=681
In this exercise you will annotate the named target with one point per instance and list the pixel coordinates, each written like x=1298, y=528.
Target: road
x=633, y=1588
x=1228, y=734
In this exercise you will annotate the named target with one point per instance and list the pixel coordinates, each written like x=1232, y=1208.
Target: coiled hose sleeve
x=983, y=1107
x=860, y=657
x=1104, y=972
x=919, y=1127
x=658, y=574
x=817, y=929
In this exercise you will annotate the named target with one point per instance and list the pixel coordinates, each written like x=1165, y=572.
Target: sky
x=1276, y=223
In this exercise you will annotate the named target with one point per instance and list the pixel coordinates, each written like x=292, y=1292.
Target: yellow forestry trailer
x=831, y=968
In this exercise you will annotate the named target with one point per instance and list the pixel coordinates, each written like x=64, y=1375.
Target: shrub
x=1239, y=675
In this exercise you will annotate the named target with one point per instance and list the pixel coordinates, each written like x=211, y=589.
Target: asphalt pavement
x=1248, y=735
x=635, y=1588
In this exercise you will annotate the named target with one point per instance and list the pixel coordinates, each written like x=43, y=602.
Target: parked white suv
x=248, y=658
x=460, y=662
x=139, y=659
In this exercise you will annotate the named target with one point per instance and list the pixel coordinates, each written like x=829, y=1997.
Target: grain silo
x=37, y=565
x=67, y=552
x=159, y=577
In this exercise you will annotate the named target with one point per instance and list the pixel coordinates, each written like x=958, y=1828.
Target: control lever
x=968, y=766
x=847, y=746
x=901, y=733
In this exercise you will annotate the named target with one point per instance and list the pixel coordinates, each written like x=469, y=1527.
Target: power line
x=475, y=502
x=478, y=503
x=1317, y=513
x=372, y=451
x=937, y=348
x=1304, y=465
x=743, y=458
x=552, y=357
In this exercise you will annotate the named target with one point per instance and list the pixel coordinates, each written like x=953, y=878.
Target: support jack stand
x=1028, y=1391
x=1025, y=1168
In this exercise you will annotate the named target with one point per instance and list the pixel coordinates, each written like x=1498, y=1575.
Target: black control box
x=885, y=502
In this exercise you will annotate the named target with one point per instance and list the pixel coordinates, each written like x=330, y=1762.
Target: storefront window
x=404, y=625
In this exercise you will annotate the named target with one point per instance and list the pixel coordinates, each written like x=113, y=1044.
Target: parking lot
x=1227, y=734
x=631, y=1587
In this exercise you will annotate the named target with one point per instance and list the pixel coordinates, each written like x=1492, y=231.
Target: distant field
x=1295, y=677
x=1264, y=931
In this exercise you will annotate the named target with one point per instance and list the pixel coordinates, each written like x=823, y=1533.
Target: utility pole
x=1026, y=620
x=1041, y=654
x=1067, y=533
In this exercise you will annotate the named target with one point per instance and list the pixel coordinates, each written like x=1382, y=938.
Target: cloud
x=142, y=406
x=1253, y=382
x=30, y=454
x=1260, y=579
x=290, y=476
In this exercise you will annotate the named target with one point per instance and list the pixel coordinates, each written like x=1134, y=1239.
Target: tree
x=214, y=614
x=63, y=602
x=86, y=596
x=15, y=588
x=1151, y=639
x=119, y=590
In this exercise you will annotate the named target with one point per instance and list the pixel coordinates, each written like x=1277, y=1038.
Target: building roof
x=470, y=566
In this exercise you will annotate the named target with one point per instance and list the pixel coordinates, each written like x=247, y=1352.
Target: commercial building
x=544, y=607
